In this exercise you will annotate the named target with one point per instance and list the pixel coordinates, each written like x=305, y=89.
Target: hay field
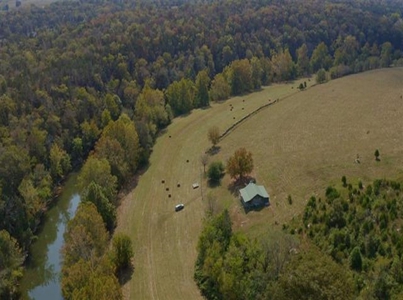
x=309, y=141
x=165, y=241
x=300, y=145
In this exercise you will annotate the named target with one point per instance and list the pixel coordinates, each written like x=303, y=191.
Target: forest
x=81, y=80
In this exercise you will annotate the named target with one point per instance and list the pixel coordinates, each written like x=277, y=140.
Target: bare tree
x=204, y=161
x=214, y=135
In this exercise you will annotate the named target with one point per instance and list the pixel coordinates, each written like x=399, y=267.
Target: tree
x=240, y=164
x=180, y=96
x=320, y=58
x=215, y=172
x=257, y=72
x=119, y=144
x=321, y=76
x=303, y=60
x=214, y=135
x=202, y=97
x=98, y=171
x=204, y=160
x=85, y=237
x=220, y=88
x=11, y=259
x=91, y=280
x=356, y=259
x=59, y=162
x=386, y=54
x=313, y=275
x=283, y=66
x=376, y=155
x=241, y=79
x=93, y=193
x=122, y=251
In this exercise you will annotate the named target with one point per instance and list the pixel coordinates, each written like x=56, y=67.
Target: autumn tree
x=220, y=88
x=214, y=135
x=283, y=66
x=241, y=77
x=85, y=237
x=150, y=108
x=240, y=164
x=11, y=259
x=119, y=144
x=91, y=279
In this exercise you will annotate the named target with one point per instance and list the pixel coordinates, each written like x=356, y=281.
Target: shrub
x=122, y=251
x=344, y=181
x=215, y=171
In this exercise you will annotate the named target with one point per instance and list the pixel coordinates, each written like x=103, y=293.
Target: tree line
x=70, y=69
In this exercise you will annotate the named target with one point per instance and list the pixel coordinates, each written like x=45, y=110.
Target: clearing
x=164, y=240
x=299, y=145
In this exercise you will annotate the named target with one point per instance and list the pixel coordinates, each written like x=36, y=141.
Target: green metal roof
x=251, y=190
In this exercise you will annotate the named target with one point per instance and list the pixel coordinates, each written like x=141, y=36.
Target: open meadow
x=300, y=145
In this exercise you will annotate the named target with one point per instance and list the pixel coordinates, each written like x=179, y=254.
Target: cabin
x=254, y=196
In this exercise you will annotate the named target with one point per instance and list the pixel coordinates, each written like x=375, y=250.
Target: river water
x=42, y=276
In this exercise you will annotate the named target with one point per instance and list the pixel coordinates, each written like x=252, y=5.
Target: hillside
x=299, y=144
x=310, y=140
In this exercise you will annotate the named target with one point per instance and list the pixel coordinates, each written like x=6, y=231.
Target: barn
x=254, y=196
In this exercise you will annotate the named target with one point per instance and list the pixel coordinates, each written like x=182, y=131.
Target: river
x=42, y=274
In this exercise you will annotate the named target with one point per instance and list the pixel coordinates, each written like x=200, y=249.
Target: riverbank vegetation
x=77, y=77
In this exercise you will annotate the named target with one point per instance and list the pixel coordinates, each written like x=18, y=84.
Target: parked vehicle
x=179, y=207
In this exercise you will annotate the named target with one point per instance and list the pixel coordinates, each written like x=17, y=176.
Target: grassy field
x=165, y=241
x=300, y=145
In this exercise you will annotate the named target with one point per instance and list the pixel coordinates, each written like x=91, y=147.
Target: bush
x=321, y=76
x=215, y=171
x=344, y=181
x=122, y=251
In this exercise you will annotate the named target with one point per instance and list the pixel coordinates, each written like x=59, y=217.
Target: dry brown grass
x=310, y=140
x=300, y=145
x=165, y=241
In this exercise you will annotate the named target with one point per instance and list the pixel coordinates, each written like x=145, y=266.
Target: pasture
x=165, y=241
x=300, y=144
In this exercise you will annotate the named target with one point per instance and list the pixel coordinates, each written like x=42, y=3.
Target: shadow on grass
x=213, y=150
x=254, y=208
x=125, y=275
